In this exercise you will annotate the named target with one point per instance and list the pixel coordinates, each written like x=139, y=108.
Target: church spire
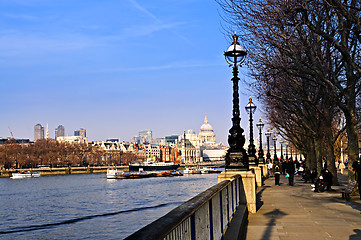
x=205, y=119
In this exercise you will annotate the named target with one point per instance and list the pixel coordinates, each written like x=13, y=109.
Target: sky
x=116, y=68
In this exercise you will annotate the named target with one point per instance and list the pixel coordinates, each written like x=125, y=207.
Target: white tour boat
x=27, y=174
x=192, y=170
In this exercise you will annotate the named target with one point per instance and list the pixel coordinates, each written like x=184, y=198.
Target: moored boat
x=150, y=165
x=27, y=174
x=192, y=170
x=115, y=174
x=207, y=170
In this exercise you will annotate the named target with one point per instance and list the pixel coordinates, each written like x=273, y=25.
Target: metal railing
x=205, y=216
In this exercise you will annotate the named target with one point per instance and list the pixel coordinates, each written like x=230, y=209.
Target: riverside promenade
x=295, y=212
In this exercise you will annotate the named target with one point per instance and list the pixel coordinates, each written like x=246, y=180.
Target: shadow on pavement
x=259, y=202
x=356, y=236
x=273, y=216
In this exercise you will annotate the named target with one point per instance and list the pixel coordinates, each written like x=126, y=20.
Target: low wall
x=63, y=170
x=206, y=216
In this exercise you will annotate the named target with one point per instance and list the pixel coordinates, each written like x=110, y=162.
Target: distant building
x=137, y=140
x=4, y=140
x=47, y=136
x=195, y=146
x=206, y=134
x=169, y=140
x=146, y=133
x=108, y=145
x=73, y=139
x=158, y=141
x=152, y=151
x=81, y=132
x=214, y=154
x=38, y=132
x=59, y=131
x=143, y=137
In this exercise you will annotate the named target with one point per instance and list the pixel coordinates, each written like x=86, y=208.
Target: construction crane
x=12, y=136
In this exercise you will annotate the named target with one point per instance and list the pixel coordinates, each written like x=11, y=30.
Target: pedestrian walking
x=269, y=168
x=356, y=166
x=341, y=166
x=324, y=163
x=284, y=164
x=277, y=172
x=290, y=169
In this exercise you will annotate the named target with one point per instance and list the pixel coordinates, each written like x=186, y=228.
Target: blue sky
x=115, y=67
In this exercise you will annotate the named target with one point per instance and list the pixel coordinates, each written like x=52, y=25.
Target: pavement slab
x=295, y=212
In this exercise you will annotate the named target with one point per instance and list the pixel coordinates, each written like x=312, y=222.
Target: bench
x=350, y=188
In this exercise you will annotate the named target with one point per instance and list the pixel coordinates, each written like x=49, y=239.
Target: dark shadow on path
x=259, y=202
x=274, y=215
x=357, y=235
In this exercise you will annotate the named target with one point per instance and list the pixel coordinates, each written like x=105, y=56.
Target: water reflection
x=89, y=205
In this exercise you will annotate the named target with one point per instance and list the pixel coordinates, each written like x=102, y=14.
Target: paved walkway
x=296, y=212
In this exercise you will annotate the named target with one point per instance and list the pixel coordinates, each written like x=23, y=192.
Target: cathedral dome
x=206, y=134
x=206, y=127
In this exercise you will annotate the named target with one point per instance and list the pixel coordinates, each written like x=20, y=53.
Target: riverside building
x=202, y=146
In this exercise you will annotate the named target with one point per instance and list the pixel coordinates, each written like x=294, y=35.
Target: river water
x=88, y=206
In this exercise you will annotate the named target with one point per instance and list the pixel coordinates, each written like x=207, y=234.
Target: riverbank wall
x=63, y=170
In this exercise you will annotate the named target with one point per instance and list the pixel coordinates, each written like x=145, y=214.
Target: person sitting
x=319, y=185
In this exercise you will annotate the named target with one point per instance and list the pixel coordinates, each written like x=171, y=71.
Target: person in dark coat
x=356, y=166
x=277, y=172
x=327, y=176
x=313, y=175
x=284, y=165
x=290, y=169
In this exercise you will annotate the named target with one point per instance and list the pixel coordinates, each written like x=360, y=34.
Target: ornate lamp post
x=287, y=149
x=268, y=134
x=281, y=142
x=260, y=126
x=251, y=108
x=275, y=158
x=236, y=157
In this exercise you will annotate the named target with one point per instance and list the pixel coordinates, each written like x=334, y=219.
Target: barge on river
x=116, y=174
x=150, y=165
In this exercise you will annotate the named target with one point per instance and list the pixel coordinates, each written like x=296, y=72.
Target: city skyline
x=116, y=68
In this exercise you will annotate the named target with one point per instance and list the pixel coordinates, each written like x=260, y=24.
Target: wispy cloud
x=157, y=20
x=175, y=65
x=142, y=9
x=145, y=30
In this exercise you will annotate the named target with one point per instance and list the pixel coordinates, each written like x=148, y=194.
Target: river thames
x=88, y=206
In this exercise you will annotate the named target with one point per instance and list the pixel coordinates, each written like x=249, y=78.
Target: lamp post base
x=253, y=161
x=237, y=161
x=261, y=160
x=248, y=186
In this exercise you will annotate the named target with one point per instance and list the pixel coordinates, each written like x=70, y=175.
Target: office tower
x=59, y=131
x=38, y=132
x=145, y=134
x=47, y=131
x=81, y=132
